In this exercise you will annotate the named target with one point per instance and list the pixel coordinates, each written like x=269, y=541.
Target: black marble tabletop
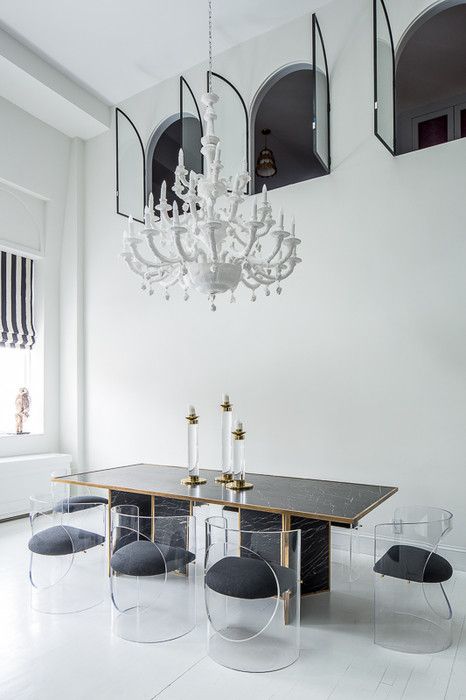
x=336, y=501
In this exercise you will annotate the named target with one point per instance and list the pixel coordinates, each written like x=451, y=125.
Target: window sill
x=19, y=435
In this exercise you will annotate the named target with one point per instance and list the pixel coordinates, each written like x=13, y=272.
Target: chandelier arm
x=133, y=265
x=158, y=254
x=183, y=254
x=276, y=250
x=140, y=258
x=249, y=285
x=268, y=226
x=279, y=263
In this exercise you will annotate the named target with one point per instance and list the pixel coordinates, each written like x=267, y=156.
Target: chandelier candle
x=193, y=478
x=239, y=465
x=227, y=425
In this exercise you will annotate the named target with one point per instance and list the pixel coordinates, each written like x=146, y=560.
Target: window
x=420, y=91
x=283, y=113
x=18, y=370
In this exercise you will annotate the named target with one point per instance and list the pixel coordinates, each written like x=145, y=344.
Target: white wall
x=357, y=372
x=34, y=157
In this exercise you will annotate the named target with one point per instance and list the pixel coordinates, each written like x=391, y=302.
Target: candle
x=293, y=226
x=181, y=158
x=264, y=194
x=227, y=420
x=163, y=191
x=192, y=181
x=151, y=201
x=280, y=220
x=176, y=218
x=146, y=217
x=239, y=464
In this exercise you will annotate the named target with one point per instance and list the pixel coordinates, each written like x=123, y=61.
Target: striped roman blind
x=16, y=301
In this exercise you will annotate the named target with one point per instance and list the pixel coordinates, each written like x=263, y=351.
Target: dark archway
x=430, y=92
x=284, y=104
x=163, y=149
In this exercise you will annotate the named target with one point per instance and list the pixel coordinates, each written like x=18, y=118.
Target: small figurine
x=23, y=402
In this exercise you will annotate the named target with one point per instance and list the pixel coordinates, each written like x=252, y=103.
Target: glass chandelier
x=210, y=246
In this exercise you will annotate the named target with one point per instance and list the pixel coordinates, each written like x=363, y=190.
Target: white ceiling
x=116, y=48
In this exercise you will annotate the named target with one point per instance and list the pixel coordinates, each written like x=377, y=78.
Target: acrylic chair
x=67, y=556
x=252, y=596
x=412, y=612
x=152, y=575
x=82, y=497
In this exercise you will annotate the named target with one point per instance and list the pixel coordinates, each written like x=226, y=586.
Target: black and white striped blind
x=16, y=301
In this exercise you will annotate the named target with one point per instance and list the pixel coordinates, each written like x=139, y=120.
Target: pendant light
x=266, y=166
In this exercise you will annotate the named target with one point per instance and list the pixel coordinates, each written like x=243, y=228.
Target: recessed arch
x=162, y=152
x=284, y=104
x=430, y=78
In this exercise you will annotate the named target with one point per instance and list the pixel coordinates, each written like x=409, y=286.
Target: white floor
x=76, y=657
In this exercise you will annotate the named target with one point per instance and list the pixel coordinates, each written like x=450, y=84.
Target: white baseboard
x=340, y=540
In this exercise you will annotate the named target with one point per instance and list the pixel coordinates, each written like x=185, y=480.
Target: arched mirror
x=282, y=139
x=130, y=168
x=231, y=126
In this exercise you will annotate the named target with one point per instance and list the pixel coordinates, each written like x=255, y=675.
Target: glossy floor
x=48, y=657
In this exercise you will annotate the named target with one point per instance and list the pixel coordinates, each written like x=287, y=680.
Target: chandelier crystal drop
x=209, y=245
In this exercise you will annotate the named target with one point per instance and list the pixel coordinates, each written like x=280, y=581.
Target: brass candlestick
x=226, y=476
x=193, y=478
x=238, y=482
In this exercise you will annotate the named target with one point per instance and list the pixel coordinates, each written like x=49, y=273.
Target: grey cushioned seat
x=248, y=577
x=409, y=563
x=76, y=503
x=143, y=558
x=63, y=539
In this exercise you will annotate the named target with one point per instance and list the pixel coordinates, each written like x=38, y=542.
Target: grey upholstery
x=144, y=558
x=76, y=503
x=409, y=563
x=248, y=577
x=63, y=539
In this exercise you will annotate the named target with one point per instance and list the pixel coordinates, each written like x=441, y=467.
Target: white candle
x=280, y=220
x=151, y=201
x=176, y=218
x=163, y=191
x=264, y=194
x=293, y=226
x=181, y=158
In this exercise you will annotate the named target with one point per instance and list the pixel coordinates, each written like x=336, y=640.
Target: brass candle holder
x=193, y=479
x=239, y=484
x=227, y=408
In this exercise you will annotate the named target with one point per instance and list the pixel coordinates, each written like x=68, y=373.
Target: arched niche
x=180, y=130
x=420, y=84
x=285, y=105
x=430, y=79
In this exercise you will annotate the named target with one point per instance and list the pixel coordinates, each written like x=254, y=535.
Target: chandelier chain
x=210, y=47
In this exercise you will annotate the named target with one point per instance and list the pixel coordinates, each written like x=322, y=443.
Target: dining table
x=274, y=503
